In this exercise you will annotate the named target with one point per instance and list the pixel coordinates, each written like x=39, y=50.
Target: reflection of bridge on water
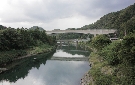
x=70, y=58
x=73, y=40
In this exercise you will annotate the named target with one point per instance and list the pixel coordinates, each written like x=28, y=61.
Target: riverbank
x=7, y=57
x=86, y=79
x=99, y=74
x=112, y=64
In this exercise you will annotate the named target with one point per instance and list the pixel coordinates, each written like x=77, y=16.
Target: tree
x=128, y=49
x=100, y=41
x=110, y=53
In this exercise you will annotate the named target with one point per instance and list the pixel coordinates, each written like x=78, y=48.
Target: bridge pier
x=88, y=36
x=95, y=35
x=60, y=44
x=68, y=43
x=76, y=44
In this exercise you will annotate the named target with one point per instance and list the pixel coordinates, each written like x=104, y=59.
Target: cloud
x=64, y=54
x=56, y=14
x=54, y=73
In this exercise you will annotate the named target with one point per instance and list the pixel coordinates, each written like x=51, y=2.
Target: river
x=41, y=70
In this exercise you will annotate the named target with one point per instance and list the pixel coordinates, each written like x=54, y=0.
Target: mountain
x=123, y=21
x=36, y=27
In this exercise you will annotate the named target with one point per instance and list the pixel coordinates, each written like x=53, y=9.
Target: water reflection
x=61, y=53
x=40, y=71
x=68, y=52
x=54, y=73
x=70, y=47
x=22, y=69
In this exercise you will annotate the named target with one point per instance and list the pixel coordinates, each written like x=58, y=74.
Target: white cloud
x=64, y=54
x=56, y=14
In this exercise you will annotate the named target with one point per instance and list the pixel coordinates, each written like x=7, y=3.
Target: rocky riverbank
x=86, y=79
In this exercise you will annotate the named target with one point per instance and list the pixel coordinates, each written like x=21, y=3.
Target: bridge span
x=70, y=58
x=93, y=31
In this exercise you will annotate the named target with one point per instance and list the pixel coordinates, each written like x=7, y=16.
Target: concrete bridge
x=93, y=31
x=70, y=58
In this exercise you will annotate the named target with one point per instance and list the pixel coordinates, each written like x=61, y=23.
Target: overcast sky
x=56, y=14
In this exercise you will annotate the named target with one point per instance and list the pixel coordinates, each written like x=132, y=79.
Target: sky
x=56, y=14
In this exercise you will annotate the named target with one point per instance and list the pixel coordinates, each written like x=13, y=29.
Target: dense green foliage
x=16, y=43
x=120, y=56
x=127, y=51
x=9, y=56
x=100, y=41
x=123, y=21
x=11, y=38
x=110, y=53
x=121, y=51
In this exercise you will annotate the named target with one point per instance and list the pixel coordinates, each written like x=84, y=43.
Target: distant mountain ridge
x=119, y=20
x=36, y=27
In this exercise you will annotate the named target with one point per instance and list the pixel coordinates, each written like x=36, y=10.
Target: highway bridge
x=94, y=31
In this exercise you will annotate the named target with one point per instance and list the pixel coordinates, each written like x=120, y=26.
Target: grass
x=40, y=49
x=101, y=72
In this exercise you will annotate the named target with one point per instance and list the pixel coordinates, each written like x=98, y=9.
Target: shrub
x=110, y=53
x=100, y=41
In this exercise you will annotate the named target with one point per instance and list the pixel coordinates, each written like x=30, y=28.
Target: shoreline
x=87, y=78
x=4, y=68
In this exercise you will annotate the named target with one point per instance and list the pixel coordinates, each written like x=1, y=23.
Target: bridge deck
x=70, y=58
x=94, y=31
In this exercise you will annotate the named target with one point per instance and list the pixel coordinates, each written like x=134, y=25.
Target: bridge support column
x=57, y=36
x=85, y=47
x=76, y=44
x=95, y=35
x=61, y=44
x=88, y=36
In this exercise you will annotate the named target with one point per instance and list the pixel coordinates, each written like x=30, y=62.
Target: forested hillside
x=123, y=21
x=113, y=62
x=15, y=43
x=11, y=38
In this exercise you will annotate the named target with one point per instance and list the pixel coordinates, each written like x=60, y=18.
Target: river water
x=41, y=70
